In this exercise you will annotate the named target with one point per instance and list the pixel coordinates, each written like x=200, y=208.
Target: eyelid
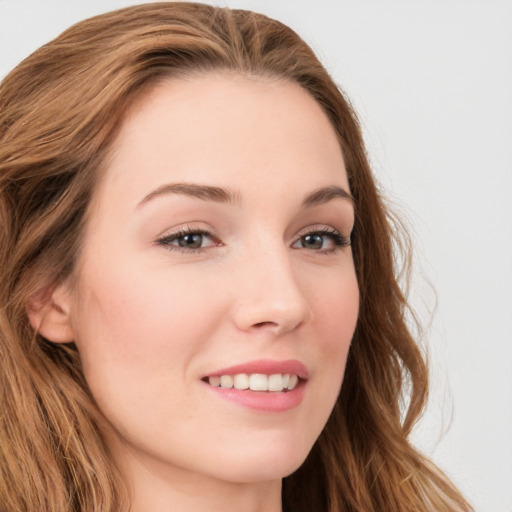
x=321, y=228
x=312, y=228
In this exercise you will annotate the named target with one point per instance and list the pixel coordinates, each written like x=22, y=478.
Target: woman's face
x=217, y=246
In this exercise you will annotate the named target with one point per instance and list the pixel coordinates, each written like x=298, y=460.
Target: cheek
x=335, y=311
x=134, y=326
x=139, y=338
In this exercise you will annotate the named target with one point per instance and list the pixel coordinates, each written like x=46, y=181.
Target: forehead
x=227, y=130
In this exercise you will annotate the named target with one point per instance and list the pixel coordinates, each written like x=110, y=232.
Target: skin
x=151, y=320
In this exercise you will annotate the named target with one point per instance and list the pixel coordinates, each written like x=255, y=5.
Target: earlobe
x=48, y=313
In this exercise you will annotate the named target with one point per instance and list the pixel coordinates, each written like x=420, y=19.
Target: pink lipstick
x=263, y=385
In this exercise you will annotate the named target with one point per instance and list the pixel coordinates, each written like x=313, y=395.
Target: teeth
x=226, y=381
x=275, y=382
x=214, y=381
x=241, y=381
x=256, y=381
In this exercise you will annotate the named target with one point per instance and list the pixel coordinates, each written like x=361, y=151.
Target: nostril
x=265, y=324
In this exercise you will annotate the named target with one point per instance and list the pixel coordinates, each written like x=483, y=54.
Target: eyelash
x=181, y=233
x=165, y=241
x=337, y=238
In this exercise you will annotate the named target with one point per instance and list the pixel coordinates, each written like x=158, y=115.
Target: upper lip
x=267, y=367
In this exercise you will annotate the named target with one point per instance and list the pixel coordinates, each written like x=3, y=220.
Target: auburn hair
x=60, y=111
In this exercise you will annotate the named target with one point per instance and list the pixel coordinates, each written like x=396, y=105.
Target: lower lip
x=263, y=401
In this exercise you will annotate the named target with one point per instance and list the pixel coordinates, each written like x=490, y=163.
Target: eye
x=188, y=240
x=322, y=240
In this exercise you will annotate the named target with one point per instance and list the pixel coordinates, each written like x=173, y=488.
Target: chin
x=261, y=465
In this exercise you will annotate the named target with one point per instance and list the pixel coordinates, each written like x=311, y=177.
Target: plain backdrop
x=432, y=83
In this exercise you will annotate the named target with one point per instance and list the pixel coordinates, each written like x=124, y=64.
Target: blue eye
x=186, y=240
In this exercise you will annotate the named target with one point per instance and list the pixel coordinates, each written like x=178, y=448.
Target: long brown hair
x=60, y=110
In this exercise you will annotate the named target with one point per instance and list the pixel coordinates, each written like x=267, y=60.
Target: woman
x=195, y=258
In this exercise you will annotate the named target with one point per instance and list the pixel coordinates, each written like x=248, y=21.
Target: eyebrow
x=204, y=192
x=326, y=194
x=223, y=195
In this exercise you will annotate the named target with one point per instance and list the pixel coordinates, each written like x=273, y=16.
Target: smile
x=264, y=385
x=276, y=382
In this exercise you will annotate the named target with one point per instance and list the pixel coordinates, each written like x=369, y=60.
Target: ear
x=48, y=313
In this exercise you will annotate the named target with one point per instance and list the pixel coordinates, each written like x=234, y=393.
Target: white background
x=432, y=82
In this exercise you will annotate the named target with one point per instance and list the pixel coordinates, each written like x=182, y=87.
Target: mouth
x=274, y=383
x=264, y=385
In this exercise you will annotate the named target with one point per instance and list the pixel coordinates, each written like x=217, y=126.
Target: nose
x=268, y=294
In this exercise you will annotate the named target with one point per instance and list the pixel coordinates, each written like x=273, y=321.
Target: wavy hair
x=60, y=111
